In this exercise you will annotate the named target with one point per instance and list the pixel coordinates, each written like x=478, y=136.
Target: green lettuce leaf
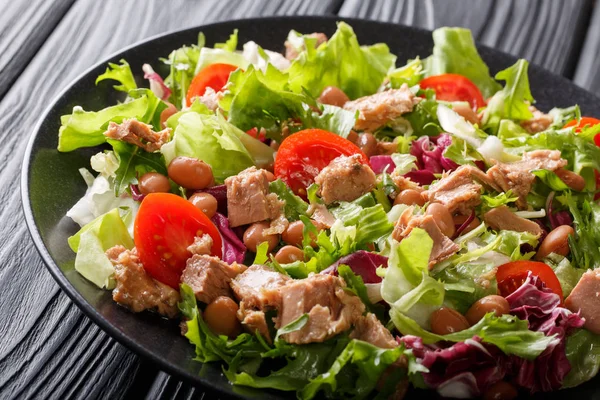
x=357, y=286
x=182, y=64
x=261, y=100
x=134, y=162
x=454, y=52
x=585, y=245
x=333, y=119
x=91, y=243
x=583, y=352
x=231, y=43
x=294, y=205
x=567, y=274
x=509, y=333
x=513, y=101
x=411, y=74
x=121, y=73
x=212, y=139
x=341, y=62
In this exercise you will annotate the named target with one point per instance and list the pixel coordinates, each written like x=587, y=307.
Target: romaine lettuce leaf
x=120, y=73
x=91, y=242
x=342, y=62
x=454, y=52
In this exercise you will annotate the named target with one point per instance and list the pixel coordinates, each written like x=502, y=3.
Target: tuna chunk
x=501, y=218
x=517, y=176
x=331, y=310
x=345, y=179
x=380, y=108
x=585, y=299
x=539, y=122
x=136, y=289
x=257, y=287
x=253, y=321
x=458, y=191
x=291, y=52
x=403, y=183
x=138, y=133
x=248, y=198
x=371, y=330
x=321, y=215
x=443, y=247
x=209, y=277
x=202, y=245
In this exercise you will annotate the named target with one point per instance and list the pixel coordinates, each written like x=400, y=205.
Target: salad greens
x=373, y=270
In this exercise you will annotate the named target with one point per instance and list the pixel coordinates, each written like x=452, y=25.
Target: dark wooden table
x=48, y=348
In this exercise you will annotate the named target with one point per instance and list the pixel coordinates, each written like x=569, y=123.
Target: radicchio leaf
x=533, y=302
x=157, y=85
x=233, y=247
x=362, y=263
x=429, y=152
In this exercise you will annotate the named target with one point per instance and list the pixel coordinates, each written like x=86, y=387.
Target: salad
x=333, y=223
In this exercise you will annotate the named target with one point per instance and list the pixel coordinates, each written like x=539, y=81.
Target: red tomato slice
x=454, y=87
x=214, y=76
x=583, y=122
x=510, y=276
x=165, y=226
x=303, y=155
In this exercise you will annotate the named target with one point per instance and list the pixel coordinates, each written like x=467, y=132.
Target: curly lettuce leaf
x=341, y=62
x=509, y=333
x=410, y=74
x=513, y=101
x=454, y=52
x=331, y=118
x=294, y=205
x=120, y=73
x=261, y=100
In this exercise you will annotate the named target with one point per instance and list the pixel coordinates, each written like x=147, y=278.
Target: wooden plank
x=587, y=74
x=24, y=26
x=49, y=349
x=545, y=32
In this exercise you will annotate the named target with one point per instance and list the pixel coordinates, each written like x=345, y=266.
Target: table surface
x=49, y=349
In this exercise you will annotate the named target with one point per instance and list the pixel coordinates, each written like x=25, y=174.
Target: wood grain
x=545, y=32
x=49, y=349
x=587, y=74
x=24, y=26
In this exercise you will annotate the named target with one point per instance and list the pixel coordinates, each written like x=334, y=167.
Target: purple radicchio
x=157, y=85
x=533, y=302
x=362, y=263
x=379, y=164
x=233, y=247
x=429, y=152
x=462, y=370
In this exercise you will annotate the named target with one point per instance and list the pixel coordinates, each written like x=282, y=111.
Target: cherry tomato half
x=165, y=226
x=214, y=76
x=583, y=122
x=510, y=276
x=454, y=87
x=303, y=155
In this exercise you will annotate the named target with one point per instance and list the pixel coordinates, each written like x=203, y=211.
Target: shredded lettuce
x=454, y=52
x=341, y=62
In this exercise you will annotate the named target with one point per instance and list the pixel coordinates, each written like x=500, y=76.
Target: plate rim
x=55, y=271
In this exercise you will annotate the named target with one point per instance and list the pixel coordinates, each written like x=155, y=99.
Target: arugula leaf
x=454, y=52
x=294, y=205
x=121, y=73
x=134, y=162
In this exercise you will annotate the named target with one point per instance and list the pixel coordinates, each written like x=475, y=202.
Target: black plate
x=51, y=183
